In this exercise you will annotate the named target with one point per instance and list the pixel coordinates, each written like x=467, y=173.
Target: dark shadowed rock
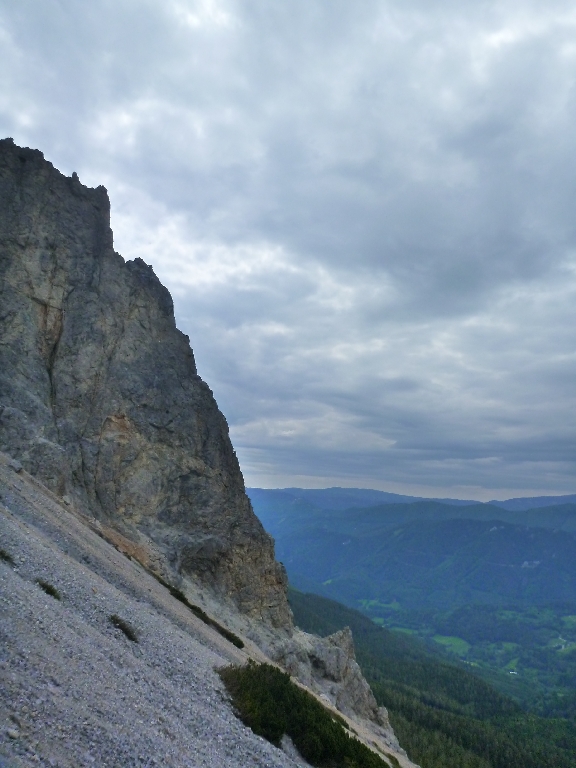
x=99, y=394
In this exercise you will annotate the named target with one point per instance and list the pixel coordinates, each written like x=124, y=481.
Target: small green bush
x=48, y=588
x=272, y=705
x=123, y=625
x=6, y=557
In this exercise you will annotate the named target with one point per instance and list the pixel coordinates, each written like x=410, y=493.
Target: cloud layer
x=364, y=212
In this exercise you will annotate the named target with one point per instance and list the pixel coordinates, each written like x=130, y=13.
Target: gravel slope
x=74, y=691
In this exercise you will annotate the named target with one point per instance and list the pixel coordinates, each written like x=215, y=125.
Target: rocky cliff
x=99, y=394
x=328, y=666
x=101, y=402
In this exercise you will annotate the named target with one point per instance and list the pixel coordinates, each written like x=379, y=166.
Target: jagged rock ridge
x=99, y=393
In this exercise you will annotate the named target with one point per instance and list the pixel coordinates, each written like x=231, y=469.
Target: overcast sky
x=365, y=212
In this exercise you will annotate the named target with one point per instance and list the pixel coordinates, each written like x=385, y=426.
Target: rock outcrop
x=328, y=666
x=99, y=393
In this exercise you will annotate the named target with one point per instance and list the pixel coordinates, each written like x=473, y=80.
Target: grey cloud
x=364, y=212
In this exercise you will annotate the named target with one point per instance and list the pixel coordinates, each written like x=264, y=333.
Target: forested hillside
x=440, y=564
x=445, y=716
x=494, y=588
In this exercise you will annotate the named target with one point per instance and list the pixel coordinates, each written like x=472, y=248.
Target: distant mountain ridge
x=345, y=498
x=284, y=513
x=423, y=553
x=536, y=502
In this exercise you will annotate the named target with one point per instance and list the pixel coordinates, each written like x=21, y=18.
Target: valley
x=490, y=587
x=444, y=713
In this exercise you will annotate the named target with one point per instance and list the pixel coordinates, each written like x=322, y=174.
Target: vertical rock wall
x=99, y=394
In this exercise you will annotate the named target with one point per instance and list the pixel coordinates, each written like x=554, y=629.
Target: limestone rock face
x=328, y=666
x=99, y=394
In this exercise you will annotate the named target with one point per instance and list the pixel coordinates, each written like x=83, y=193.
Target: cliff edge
x=100, y=397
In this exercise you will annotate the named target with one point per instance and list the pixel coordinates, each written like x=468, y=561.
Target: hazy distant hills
x=421, y=554
x=438, y=564
x=290, y=511
x=534, y=503
x=346, y=498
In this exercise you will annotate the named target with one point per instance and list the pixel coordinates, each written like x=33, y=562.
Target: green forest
x=444, y=714
x=466, y=615
x=529, y=653
x=497, y=595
